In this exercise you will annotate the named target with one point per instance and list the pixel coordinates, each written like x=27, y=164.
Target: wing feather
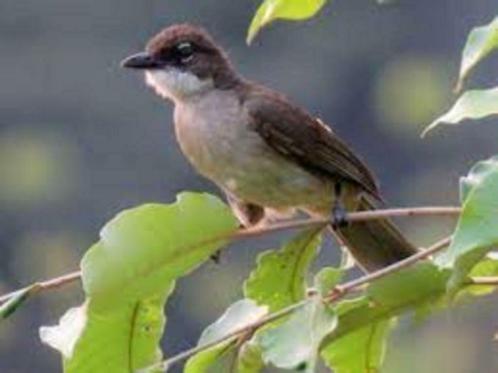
x=295, y=134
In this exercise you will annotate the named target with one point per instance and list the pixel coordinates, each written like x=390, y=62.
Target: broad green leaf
x=123, y=339
x=10, y=306
x=409, y=286
x=279, y=279
x=249, y=358
x=477, y=228
x=226, y=356
x=360, y=351
x=219, y=358
x=417, y=289
x=271, y=10
x=481, y=42
x=128, y=276
x=238, y=315
x=327, y=279
x=144, y=248
x=63, y=337
x=474, y=104
x=295, y=343
x=476, y=174
x=364, y=323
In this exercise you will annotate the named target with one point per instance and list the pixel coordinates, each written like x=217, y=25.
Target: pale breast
x=213, y=133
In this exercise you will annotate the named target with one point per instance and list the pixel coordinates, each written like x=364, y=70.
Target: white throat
x=177, y=85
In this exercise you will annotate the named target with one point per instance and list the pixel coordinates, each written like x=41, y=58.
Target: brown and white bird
x=268, y=155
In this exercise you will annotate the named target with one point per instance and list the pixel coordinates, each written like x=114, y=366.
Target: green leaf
x=279, y=279
x=474, y=104
x=477, y=228
x=271, y=10
x=360, y=351
x=481, y=42
x=10, y=306
x=121, y=339
x=408, y=287
x=485, y=268
x=327, y=279
x=249, y=359
x=364, y=323
x=294, y=344
x=144, y=248
x=476, y=174
x=220, y=358
x=128, y=276
x=238, y=315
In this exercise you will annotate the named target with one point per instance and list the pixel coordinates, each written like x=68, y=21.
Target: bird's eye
x=185, y=51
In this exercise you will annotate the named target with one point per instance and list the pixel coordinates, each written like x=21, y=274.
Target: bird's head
x=183, y=61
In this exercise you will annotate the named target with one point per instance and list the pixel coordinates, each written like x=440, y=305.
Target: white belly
x=223, y=148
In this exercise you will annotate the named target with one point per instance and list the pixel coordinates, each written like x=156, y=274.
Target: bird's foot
x=339, y=217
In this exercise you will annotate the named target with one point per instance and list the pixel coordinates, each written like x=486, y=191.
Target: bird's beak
x=142, y=61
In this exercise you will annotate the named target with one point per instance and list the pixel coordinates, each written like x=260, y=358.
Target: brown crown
x=210, y=61
x=173, y=35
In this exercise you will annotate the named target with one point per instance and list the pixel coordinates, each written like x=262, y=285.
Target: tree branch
x=354, y=217
x=294, y=224
x=340, y=290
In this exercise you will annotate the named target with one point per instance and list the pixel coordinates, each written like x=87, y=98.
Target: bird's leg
x=248, y=214
x=339, y=213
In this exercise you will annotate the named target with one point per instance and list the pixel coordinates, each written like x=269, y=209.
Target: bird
x=270, y=157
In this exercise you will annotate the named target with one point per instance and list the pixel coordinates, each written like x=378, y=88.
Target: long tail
x=374, y=244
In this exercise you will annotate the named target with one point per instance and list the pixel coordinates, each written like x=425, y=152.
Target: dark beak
x=141, y=61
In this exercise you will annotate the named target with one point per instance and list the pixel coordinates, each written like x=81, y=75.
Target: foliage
x=476, y=231
x=271, y=10
x=481, y=42
x=474, y=104
x=128, y=276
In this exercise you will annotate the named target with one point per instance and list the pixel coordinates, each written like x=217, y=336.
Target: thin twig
x=227, y=338
x=45, y=285
x=338, y=293
x=353, y=217
x=492, y=280
x=369, y=277
x=301, y=223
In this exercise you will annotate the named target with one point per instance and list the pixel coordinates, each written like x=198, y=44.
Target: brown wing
x=296, y=135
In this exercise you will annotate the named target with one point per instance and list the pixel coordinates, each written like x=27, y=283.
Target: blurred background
x=81, y=139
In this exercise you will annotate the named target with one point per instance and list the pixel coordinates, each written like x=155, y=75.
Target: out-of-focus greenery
x=34, y=167
x=475, y=104
x=409, y=92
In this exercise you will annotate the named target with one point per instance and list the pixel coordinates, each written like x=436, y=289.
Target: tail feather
x=374, y=243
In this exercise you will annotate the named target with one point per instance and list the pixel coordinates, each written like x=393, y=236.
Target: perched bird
x=269, y=156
